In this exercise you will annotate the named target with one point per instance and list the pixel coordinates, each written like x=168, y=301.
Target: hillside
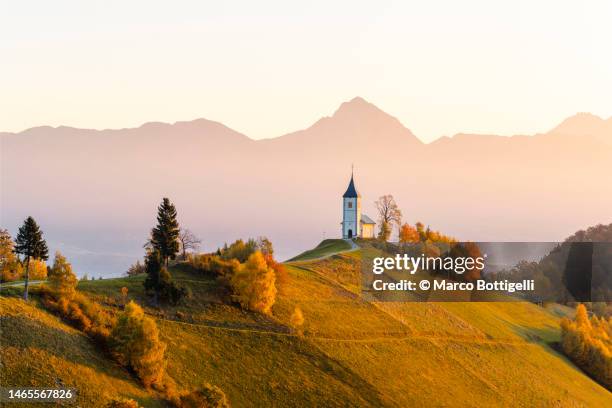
x=38, y=350
x=351, y=352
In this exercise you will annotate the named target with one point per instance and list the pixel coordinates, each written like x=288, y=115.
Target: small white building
x=354, y=223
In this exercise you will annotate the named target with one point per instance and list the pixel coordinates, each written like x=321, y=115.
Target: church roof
x=366, y=220
x=351, y=192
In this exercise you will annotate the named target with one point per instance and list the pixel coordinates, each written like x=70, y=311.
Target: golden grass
x=353, y=352
x=39, y=350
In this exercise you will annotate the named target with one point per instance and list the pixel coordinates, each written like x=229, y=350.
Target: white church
x=354, y=223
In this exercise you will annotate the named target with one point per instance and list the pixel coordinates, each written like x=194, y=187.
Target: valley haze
x=95, y=192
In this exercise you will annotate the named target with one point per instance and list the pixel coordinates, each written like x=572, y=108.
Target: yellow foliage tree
x=253, y=284
x=135, y=343
x=10, y=267
x=38, y=269
x=62, y=280
x=408, y=234
x=587, y=342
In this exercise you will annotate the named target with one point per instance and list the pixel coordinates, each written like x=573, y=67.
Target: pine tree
x=30, y=244
x=165, y=236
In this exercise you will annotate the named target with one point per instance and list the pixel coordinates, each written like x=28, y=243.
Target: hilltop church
x=354, y=223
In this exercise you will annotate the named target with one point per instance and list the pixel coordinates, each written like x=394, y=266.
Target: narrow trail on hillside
x=378, y=339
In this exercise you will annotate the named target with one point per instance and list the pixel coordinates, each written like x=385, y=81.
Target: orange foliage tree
x=588, y=342
x=135, y=343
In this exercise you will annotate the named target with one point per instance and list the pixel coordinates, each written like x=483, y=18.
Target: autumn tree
x=165, y=235
x=188, y=241
x=253, y=284
x=408, y=234
x=136, y=269
x=389, y=215
x=588, y=342
x=30, y=244
x=10, y=268
x=62, y=280
x=135, y=343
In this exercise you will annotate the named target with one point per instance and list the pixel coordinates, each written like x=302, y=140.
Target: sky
x=267, y=68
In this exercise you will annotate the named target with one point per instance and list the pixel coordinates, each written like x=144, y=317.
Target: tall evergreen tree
x=30, y=244
x=165, y=236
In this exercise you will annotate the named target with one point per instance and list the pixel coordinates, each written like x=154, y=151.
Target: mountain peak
x=357, y=106
x=579, y=123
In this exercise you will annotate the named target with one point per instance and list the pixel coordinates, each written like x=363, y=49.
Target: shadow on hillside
x=23, y=333
x=346, y=375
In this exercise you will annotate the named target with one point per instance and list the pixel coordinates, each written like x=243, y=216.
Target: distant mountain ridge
x=94, y=192
x=353, y=112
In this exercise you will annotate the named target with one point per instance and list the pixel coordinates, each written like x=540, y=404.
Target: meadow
x=349, y=351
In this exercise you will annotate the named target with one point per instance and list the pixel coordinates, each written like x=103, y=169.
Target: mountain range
x=95, y=192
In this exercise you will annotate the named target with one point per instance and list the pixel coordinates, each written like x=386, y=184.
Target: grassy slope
x=363, y=354
x=326, y=247
x=39, y=350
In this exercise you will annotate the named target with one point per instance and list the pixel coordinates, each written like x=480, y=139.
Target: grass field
x=350, y=353
x=325, y=248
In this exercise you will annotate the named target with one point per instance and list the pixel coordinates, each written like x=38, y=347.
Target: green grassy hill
x=351, y=352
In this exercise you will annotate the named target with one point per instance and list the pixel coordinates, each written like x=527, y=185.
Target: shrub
x=297, y=318
x=135, y=344
x=208, y=396
x=253, y=285
x=82, y=313
x=159, y=282
x=123, y=403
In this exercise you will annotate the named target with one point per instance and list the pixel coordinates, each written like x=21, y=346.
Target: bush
x=297, y=319
x=159, y=282
x=208, y=396
x=123, y=403
x=82, y=313
x=588, y=343
x=135, y=344
x=253, y=285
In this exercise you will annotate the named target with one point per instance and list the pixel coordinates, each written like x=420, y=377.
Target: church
x=354, y=223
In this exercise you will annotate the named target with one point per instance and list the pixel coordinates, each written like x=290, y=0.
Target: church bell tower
x=351, y=212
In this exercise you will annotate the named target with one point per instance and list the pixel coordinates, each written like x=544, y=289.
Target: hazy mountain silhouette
x=95, y=192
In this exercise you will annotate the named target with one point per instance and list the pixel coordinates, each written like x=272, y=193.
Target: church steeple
x=351, y=191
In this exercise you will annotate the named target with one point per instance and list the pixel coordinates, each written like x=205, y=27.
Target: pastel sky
x=266, y=68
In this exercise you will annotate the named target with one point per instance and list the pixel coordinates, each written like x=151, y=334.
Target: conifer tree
x=165, y=236
x=30, y=244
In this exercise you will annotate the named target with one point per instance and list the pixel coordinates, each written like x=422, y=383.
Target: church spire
x=351, y=191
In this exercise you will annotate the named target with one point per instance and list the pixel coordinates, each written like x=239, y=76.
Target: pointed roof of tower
x=351, y=191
